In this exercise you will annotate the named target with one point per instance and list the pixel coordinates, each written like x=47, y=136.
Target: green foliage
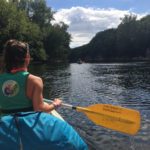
x=130, y=40
x=41, y=14
x=57, y=43
x=126, y=35
x=30, y=21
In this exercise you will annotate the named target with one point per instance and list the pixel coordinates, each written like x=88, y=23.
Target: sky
x=85, y=18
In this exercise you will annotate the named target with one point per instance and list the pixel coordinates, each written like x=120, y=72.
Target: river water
x=125, y=84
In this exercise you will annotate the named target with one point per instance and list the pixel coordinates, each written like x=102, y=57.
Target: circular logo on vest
x=10, y=88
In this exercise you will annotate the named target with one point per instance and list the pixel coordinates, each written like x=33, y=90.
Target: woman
x=20, y=90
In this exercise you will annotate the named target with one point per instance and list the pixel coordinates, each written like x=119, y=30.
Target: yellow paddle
x=109, y=116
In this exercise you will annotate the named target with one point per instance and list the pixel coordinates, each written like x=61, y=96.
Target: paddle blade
x=113, y=117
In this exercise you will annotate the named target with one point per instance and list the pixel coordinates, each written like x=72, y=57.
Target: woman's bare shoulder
x=34, y=79
x=34, y=86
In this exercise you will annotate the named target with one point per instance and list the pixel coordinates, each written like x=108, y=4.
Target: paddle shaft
x=70, y=106
x=63, y=104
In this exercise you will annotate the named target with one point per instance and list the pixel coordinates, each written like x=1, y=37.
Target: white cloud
x=84, y=23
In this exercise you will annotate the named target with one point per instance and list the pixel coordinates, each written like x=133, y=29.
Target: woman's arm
x=35, y=93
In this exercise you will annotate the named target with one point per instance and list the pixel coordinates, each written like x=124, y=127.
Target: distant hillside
x=129, y=41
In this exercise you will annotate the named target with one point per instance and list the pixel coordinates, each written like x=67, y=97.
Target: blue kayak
x=38, y=131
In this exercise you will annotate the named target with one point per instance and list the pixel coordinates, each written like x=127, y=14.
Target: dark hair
x=14, y=54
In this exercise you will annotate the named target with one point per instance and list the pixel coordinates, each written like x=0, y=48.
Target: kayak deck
x=56, y=114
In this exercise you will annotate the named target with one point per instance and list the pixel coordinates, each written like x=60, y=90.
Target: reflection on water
x=125, y=84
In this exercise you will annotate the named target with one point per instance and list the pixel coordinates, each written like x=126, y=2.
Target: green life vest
x=13, y=91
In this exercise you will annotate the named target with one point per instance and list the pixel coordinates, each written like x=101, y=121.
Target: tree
x=126, y=35
x=143, y=38
x=41, y=14
x=14, y=24
x=129, y=41
x=30, y=21
x=57, y=42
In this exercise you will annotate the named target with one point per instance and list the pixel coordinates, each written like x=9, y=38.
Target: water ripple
x=125, y=84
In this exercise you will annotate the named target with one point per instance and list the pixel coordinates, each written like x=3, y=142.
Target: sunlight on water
x=125, y=84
